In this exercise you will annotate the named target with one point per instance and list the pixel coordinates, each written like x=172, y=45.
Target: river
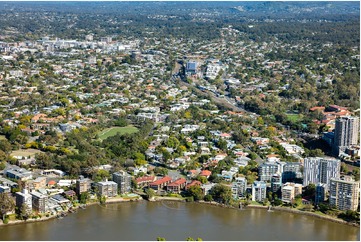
x=178, y=221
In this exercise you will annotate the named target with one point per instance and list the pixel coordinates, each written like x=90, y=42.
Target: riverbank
x=321, y=216
x=65, y=213
x=30, y=220
x=289, y=210
x=159, y=199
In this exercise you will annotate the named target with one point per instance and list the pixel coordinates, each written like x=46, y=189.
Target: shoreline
x=160, y=199
x=289, y=210
x=44, y=218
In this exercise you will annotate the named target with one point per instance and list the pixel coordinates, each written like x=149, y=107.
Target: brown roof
x=193, y=183
x=160, y=181
x=178, y=182
x=205, y=173
x=145, y=179
x=317, y=108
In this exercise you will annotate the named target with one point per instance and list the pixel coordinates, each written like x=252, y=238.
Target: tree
x=160, y=239
x=172, y=142
x=24, y=212
x=202, y=179
x=208, y=198
x=166, y=155
x=221, y=193
x=310, y=190
x=101, y=175
x=316, y=153
x=5, y=146
x=196, y=192
x=102, y=199
x=84, y=197
x=2, y=164
x=150, y=193
x=6, y=204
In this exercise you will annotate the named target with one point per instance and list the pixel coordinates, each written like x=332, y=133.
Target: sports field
x=114, y=130
x=294, y=117
x=25, y=153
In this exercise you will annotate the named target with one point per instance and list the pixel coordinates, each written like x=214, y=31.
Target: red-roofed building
x=225, y=135
x=51, y=183
x=192, y=173
x=144, y=181
x=193, y=183
x=205, y=173
x=336, y=108
x=159, y=184
x=321, y=108
x=177, y=185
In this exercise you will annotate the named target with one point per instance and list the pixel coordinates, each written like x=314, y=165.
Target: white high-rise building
x=239, y=187
x=320, y=170
x=259, y=191
x=344, y=194
x=346, y=133
x=24, y=198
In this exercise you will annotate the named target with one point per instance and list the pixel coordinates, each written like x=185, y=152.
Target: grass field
x=294, y=117
x=114, y=130
x=25, y=153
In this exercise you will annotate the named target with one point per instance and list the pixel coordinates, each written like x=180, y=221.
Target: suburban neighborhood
x=231, y=121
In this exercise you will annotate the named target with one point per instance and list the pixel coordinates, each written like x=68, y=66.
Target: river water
x=178, y=221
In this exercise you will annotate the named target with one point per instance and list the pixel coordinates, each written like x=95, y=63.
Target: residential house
x=205, y=173
x=177, y=185
x=5, y=189
x=18, y=173
x=144, y=181
x=39, y=182
x=193, y=183
x=160, y=183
